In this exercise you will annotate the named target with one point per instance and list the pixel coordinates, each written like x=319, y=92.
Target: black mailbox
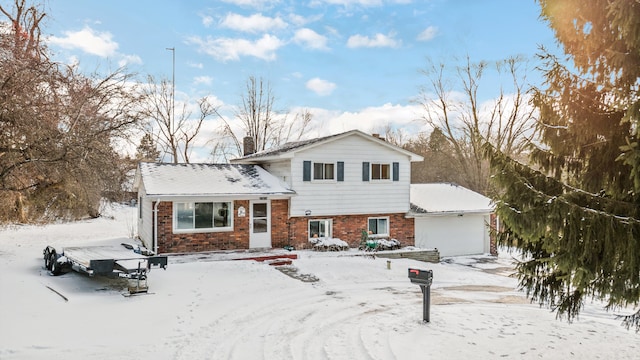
x=424, y=279
x=421, y=277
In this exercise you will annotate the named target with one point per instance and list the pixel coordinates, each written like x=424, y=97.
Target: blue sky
x=354, y=63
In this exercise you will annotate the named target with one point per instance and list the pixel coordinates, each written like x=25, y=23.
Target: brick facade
x=285, y=231
x=168, y=242
x=349, y=228
x=279, y=223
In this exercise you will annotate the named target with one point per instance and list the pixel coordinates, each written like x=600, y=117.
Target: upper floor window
x=323, y=171
x=202, y=215
x=380, y=171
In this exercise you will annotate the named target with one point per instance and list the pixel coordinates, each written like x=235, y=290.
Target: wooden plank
x=432, y=256
x=261, y=258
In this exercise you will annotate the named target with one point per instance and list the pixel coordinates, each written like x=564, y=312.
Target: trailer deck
x=90, y=258
x=125, y=260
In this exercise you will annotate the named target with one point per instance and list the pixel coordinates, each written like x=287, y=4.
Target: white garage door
x=453, y=235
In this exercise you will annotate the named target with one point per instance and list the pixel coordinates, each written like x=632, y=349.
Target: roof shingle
x=209, y=179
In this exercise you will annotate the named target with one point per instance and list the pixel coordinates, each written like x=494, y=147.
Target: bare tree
x=451, y=104
x=395, y=136
x=57, y=127
x=175, y=131
x=259, y=120
x=25, y=30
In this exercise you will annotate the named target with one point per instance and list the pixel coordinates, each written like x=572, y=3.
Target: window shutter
x=340, y=170
x=365, y=171
x=306, y=170
x=396, y=171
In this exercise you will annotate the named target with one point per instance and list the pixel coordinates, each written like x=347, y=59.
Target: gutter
x=155, y=223
x=414, y=214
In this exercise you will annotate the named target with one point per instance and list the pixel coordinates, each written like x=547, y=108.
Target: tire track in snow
x=312, y=323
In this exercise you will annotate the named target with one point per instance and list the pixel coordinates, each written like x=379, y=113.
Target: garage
x=452, y=219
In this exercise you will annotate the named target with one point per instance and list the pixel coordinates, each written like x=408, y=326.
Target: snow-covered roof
x=209, y=180
x=447, y=198
x=288, y=149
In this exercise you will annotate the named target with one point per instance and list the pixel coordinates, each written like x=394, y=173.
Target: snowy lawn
x=209, y=307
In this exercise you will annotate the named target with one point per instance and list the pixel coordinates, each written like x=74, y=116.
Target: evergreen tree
x=147, y=150
x=575, y=212
x=439, y=164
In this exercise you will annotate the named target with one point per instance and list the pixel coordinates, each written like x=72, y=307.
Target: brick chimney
x=249, y=147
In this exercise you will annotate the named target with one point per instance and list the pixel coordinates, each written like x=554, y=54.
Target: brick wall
x=168, y=242
x=279, y=223
x=349, y=228
x=284, y=230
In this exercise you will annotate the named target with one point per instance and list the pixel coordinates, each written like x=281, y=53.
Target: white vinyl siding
x=351, y=196
x=281, y=170
x=145, y=218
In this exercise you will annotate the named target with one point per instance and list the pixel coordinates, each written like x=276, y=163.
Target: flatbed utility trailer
x=115, y=261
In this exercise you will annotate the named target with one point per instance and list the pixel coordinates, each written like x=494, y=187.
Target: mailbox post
x=424, y=279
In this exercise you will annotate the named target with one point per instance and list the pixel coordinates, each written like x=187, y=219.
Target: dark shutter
x=306, y=171
x=396, y=171
x=340, y=170
x=365, y=171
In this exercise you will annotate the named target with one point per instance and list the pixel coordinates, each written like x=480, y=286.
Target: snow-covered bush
x=380, y=244
x=328, y=244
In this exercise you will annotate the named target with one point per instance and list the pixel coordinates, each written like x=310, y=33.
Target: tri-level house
x=335, y=186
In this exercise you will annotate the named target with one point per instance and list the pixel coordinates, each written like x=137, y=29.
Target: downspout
x=155, y=223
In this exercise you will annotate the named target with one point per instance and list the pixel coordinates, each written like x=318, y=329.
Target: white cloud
x=370, y=120
x=320, y=87
x=87, y=40
x=257, y=4
x=379, y=40
x=310, y=39
x=196, y=65
x=349, y=2
x=253, y=24
x=297, y=19
x=428, y=33
x=225, y=49
x=207, y=20
x=129, y=60
x=203, y=80
x=300, y=20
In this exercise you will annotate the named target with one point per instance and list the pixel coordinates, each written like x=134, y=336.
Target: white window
x=202, y=216
x=323, y=171
x=379, y=226
x=320, y=228
x=380, y=171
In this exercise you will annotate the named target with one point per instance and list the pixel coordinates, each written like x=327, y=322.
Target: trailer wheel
x=55, y=269
x=47, y=259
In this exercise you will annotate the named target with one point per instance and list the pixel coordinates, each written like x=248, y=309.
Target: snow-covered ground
x=208, y=307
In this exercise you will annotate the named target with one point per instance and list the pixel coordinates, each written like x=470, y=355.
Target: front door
x=260, y=232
